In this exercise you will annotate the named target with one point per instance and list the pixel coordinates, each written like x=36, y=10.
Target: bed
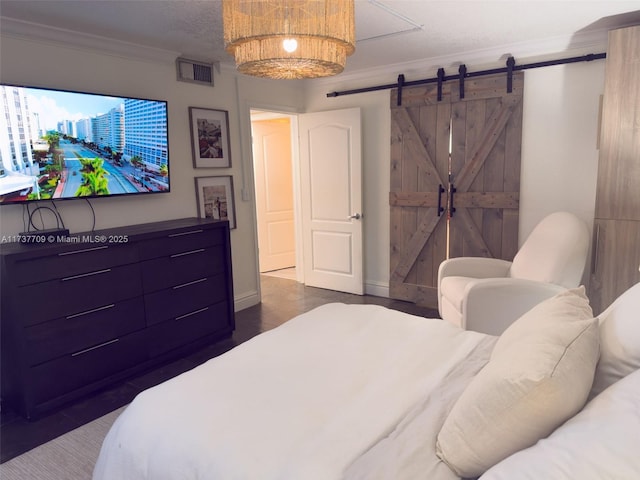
x=365, y=392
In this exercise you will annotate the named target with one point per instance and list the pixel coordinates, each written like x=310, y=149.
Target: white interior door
x=331, y=191
x=274, y=193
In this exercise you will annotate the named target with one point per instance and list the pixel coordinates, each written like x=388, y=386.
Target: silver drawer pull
x=106, y=307
x=82, y=275
x=93, y=348
x=83, y=250
x=185, y=233
x=175, y=255
x=190, y=283
x=195, y=312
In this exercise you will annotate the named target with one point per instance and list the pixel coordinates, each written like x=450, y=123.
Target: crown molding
x=580, y=43
x=82, y=41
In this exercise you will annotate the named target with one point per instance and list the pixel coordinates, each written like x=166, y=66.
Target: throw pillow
x=539, y=375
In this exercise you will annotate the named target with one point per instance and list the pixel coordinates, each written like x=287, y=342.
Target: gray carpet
x=69, y=457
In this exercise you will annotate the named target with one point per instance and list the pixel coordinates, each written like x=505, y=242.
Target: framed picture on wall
x=209, y=137
x=215, y=198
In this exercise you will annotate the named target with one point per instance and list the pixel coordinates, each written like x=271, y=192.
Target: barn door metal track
x=463, y=73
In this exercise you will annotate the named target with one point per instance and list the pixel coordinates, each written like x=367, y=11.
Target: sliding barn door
x=419, y=175
x=455, y=179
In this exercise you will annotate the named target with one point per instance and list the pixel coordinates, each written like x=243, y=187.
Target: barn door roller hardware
x=510, y=64
x=400, y=85
x=509, y=69
x=462, y=72
x=440, y=80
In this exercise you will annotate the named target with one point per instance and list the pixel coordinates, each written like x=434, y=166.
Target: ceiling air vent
x=194, y=71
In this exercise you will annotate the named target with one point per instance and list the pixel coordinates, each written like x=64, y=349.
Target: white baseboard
x=245, y=300
x=377, y=289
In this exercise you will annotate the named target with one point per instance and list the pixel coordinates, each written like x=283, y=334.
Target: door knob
x=357, y=216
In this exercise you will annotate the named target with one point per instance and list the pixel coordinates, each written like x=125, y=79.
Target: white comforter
x=343, y=391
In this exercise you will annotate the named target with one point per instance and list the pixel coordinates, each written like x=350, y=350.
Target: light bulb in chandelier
x=255, y=31
x=290, y=45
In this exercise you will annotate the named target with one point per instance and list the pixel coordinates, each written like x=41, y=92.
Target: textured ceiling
x=388, y=31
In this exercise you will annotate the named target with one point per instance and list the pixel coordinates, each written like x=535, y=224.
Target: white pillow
x=619, y=340
x=600, y=442
x=539, y=375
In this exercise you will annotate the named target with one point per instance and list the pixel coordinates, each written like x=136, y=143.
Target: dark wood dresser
x=81, y=313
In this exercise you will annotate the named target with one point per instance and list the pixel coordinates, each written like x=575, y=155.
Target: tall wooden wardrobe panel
x=617, y=213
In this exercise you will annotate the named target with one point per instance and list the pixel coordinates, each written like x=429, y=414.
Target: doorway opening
x=325, y=209
x=274, y=171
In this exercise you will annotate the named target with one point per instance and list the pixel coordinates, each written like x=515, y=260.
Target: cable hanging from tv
x=33, y=234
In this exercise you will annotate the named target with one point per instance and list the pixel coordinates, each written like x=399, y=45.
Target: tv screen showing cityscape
x=57, y=144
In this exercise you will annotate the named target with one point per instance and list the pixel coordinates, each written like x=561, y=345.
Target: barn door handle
x=452, y=209
x=440, y=192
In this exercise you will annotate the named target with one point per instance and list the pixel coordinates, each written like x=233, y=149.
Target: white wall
x=559, y=155
x=559, y=141
x=43, y=64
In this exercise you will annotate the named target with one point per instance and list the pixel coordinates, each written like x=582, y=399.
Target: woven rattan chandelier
x=289, y=38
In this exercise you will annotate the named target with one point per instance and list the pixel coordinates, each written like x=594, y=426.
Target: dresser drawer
x=182, y=299
x=179, y=242
x=182, y=267
x=76, y=294
x=190, y=327
x=76, y=332
x=62, y=375
x=72, y=262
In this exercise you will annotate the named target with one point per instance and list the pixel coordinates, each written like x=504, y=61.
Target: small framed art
x=215, y=198
x=209, y=137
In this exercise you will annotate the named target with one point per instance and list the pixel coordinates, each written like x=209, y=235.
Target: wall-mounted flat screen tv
x=57, y=144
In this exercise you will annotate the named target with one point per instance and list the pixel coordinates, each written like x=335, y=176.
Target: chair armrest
x=493, y=304
x=476, y=267
x=473, y=267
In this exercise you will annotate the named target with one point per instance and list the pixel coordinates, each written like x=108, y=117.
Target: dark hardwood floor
x=282, y=299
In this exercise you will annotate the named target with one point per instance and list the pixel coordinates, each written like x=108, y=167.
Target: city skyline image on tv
x=58, y=144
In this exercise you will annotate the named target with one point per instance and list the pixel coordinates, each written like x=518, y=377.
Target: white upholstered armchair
x=488, y=294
